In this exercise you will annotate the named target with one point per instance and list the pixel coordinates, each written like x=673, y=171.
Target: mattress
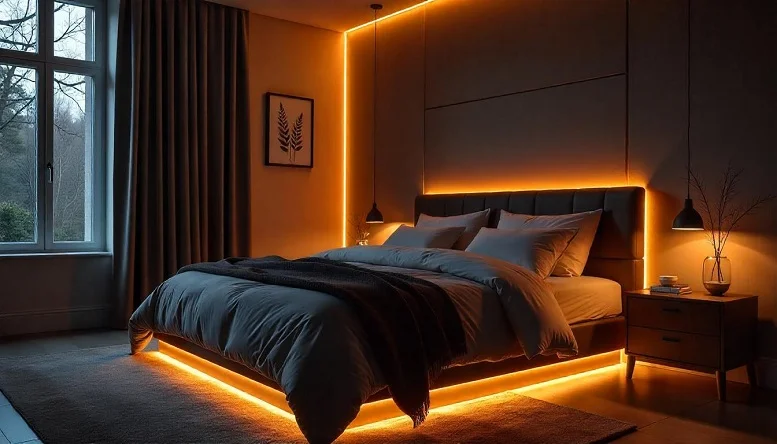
x=586, y=298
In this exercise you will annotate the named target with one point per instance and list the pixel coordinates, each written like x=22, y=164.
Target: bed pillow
x=472, y=223
x=406, y=236
x=572, y=262
x=535, y=249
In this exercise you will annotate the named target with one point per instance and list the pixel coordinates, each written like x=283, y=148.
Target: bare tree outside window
x=72, y=107
x=19, y=25
x=18, y=153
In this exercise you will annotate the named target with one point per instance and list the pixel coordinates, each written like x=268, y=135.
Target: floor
x=667, y=406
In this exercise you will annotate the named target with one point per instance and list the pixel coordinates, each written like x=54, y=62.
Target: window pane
x=19, y=25
x=73, y=158
x=18, y=154
x=73, y=31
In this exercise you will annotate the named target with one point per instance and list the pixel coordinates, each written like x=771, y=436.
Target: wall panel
x=566, y=136
x=477, y=49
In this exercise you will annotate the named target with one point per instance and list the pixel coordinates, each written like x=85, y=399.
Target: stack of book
x=671, y=289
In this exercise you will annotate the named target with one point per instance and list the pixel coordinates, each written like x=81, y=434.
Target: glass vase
x=716, y=275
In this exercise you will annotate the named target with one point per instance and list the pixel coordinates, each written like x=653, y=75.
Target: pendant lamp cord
x=374, y=103
x=688, y=100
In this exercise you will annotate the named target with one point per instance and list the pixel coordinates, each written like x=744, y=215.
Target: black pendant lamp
x=375, y=216
x=688, y=219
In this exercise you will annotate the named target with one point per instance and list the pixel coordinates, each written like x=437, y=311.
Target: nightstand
x=710, y=334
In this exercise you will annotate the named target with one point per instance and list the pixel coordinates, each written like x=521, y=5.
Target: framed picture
x=288, y=131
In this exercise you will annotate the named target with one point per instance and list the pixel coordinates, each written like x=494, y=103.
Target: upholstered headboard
x=618, y=249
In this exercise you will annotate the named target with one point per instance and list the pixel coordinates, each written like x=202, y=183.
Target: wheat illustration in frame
x=288, y=131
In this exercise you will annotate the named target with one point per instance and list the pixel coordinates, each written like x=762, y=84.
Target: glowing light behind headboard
x=560, y=184
x=552, y=183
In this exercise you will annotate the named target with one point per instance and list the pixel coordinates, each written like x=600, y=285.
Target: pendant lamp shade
x=688, y=219
x=375, y=216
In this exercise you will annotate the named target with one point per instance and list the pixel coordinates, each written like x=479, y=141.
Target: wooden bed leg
x=721, y=377
x=630, y=362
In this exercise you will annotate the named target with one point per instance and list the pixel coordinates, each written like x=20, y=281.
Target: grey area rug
x=105, y=395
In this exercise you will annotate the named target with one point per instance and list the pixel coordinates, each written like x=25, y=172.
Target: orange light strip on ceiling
x=377, y=412
x=386, y=17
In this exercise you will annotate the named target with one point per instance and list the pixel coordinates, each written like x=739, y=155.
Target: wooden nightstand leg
x=752, y=376
x=721, y=377
x=630, y=362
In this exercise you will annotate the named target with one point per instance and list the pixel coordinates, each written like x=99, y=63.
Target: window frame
x=46, y=64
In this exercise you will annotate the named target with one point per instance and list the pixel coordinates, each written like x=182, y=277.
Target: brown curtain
x=181, y=159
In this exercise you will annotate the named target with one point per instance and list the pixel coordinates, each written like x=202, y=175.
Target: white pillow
x=572, y=262
x=406, y=236
x=537, y=250
x=472, y=223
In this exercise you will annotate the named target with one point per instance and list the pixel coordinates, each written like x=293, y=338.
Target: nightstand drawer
x=677, y=315
x=675, y=346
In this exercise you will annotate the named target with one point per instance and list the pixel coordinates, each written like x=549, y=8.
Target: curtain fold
x=181, y=160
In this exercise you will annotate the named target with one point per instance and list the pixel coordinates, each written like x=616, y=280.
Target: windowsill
x=54, y=254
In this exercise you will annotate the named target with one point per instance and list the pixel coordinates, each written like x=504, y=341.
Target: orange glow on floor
x=461, y=407
x=378, y=412
x=164, y=356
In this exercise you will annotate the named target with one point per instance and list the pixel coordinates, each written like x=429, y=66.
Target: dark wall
x=564, y=94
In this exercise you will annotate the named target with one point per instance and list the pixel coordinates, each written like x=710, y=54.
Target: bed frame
x=617, y=254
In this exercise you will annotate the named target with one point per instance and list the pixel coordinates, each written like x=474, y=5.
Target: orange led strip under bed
x=372, y=412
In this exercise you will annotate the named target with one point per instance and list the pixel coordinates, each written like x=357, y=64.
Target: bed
x=229, y=321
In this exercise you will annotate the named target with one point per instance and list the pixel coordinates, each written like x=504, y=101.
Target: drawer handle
x=670, y=339
x=671, y=310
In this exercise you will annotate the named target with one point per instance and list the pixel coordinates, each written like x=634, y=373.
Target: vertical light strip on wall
x=345, y=109
x=345, y=139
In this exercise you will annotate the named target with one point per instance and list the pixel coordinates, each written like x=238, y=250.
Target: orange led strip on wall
x=454, y=190
x=345, y=139
x=371, y=413
x=345, y=108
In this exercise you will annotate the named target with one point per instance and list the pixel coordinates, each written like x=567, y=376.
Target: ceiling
x=337, y=15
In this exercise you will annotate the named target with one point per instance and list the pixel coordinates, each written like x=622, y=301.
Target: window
x=52, y=174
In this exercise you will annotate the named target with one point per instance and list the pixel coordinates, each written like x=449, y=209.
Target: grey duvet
x=313, y=345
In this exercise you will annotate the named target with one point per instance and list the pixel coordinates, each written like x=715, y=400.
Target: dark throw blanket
x=412, y=326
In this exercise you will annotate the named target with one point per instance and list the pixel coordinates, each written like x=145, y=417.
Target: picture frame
x=288, y=130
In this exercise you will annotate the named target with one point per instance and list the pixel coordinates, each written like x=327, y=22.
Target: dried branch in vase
x=724, y=215
x=360, y=228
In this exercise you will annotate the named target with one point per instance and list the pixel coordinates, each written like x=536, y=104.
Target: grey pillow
x=572, y=262
x=537, y=250
x=406, y=236
x=472, y=223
